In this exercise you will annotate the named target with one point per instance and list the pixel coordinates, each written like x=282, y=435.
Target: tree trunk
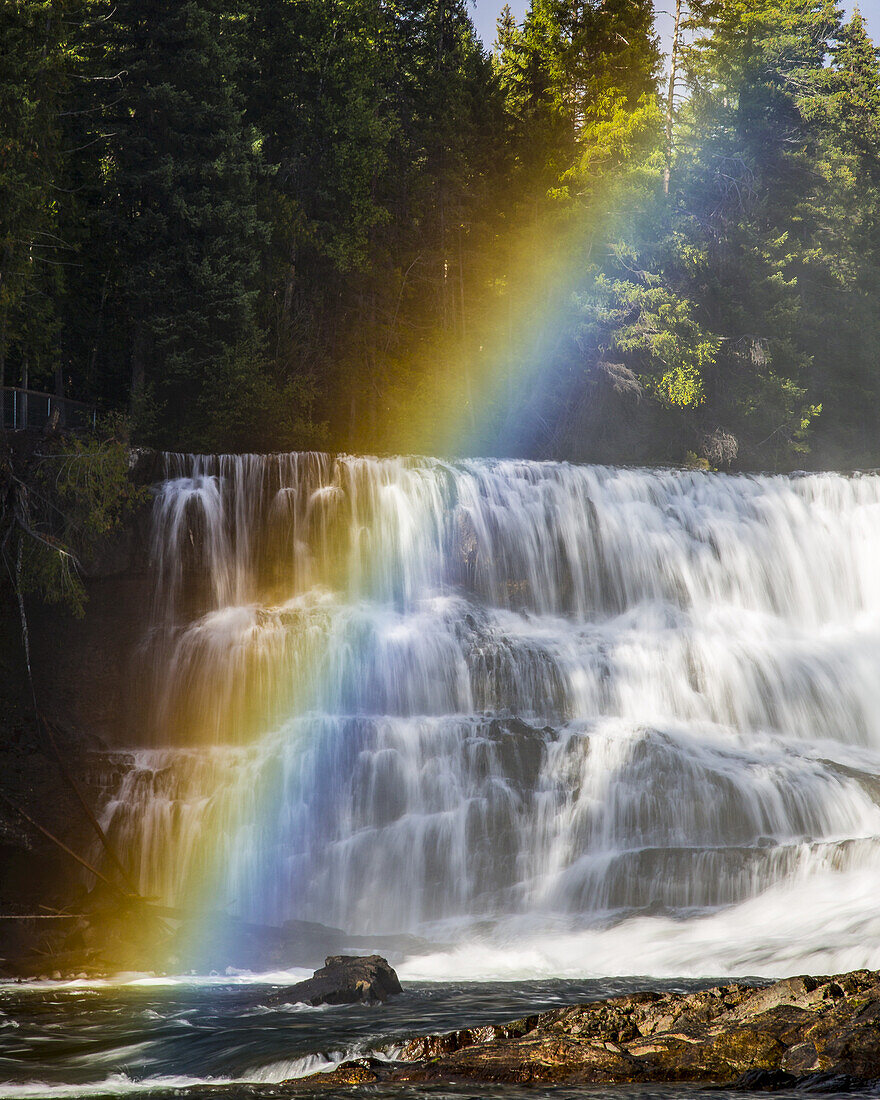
x=670, y=98
x=99, y=327
x=2, y=376
x=25, y=378
x=138, y=371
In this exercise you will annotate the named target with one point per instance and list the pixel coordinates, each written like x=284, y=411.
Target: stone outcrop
x=345, y=979
x=801, y=1031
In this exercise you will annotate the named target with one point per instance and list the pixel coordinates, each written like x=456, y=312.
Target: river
x=194, y=1037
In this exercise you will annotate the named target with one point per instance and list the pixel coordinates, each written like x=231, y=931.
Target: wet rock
x=810, y=1034
x=345, y=979
x=358, y=1071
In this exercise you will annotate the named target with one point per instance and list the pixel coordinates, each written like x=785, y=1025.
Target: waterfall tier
x=404, y=694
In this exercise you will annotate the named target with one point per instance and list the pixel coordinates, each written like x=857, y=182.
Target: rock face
x=345, y=979
x=798, y=1031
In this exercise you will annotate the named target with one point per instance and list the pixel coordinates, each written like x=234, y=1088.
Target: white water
x=120, y=1084
x=567, y=720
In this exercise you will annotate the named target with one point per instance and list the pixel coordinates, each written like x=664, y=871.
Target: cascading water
x=570, y=719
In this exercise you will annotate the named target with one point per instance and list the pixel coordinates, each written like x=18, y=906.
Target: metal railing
x=31, y=409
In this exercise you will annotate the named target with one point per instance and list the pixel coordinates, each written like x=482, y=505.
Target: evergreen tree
x=740, y=239
x=35, y=64
x=855, y=83
x=317, y=96
x=840, y=277
x=506, y=33
x=180, y=199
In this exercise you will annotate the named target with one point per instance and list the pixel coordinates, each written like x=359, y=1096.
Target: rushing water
x=564, y=720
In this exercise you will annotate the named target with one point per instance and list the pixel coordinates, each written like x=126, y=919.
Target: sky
x=485, y=13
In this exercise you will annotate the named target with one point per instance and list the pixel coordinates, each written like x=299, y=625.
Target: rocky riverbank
x=799, y=1032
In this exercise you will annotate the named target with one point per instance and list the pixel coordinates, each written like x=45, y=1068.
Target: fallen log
x=64, y=848
x=86, y=808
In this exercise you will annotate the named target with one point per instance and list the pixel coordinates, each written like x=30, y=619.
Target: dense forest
x=345, y=224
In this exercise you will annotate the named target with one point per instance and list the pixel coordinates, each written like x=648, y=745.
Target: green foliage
x=34, y=69
x=654, y=331
x=184, y=203
x=731, y=296
x=261, y=224
x=60, y=502
x=245, y=408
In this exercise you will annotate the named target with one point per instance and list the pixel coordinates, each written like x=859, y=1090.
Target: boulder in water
x=345, y=979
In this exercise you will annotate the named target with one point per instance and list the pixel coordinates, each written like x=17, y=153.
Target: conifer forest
x=346, y=225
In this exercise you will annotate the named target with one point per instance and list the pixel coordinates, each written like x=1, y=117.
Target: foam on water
x=137, y=980
x=823, y=924
x=116, y=1084
x=572, y=720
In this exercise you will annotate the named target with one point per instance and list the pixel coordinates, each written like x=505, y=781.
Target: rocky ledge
x=801, y=1031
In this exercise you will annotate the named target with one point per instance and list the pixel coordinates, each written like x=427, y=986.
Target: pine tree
x=180, y=199
x=506, y=32
x=741, y=238
x=34, y=70
x=840, y=277
x=855, y=83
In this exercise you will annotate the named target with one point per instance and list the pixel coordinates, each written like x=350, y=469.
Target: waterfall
x=454, y=698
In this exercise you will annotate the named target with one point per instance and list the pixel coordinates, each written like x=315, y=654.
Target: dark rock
x=345, y=979
x=765, y=1080
x=809, y=1034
